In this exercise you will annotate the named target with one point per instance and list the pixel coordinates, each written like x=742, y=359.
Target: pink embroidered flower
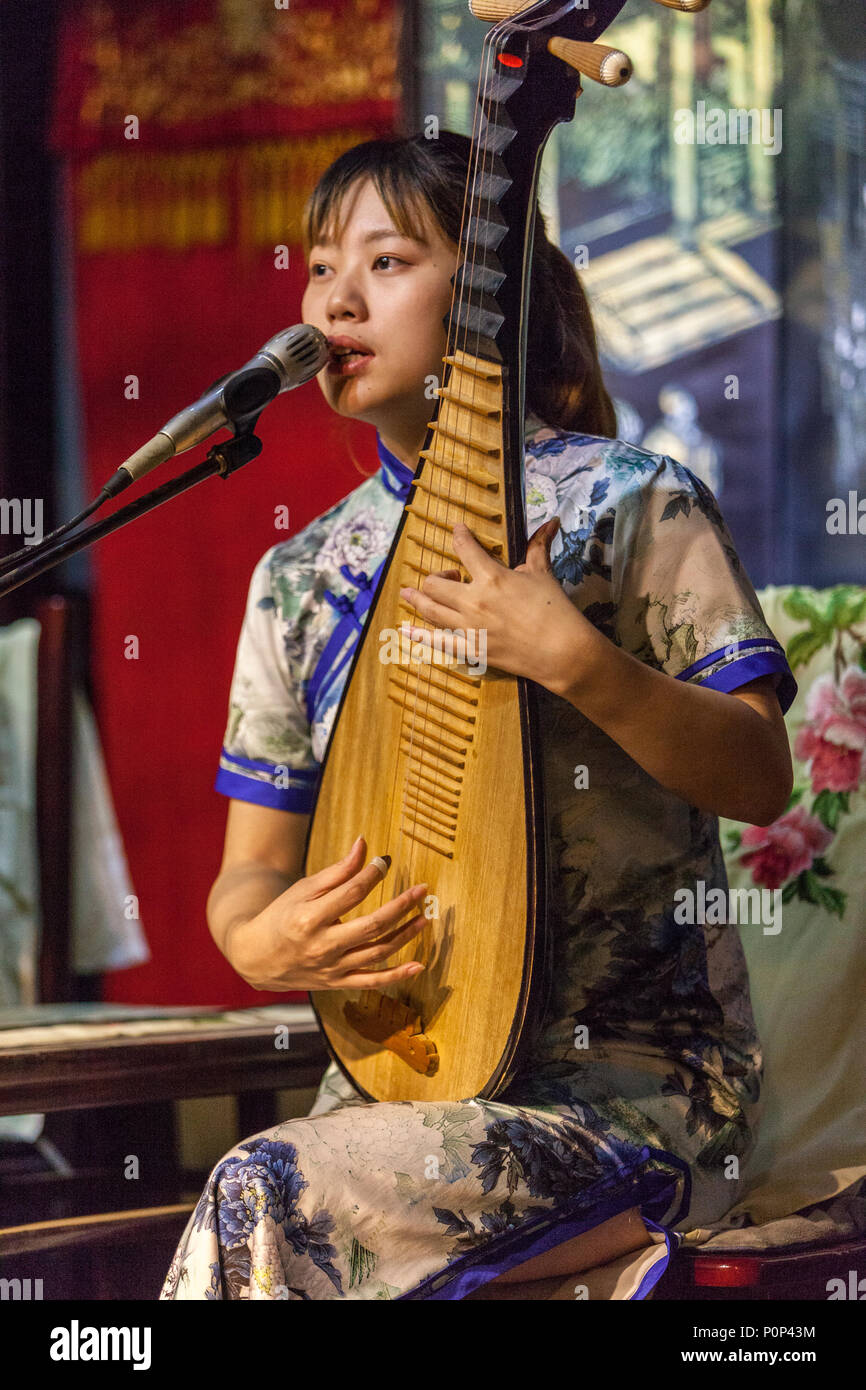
x=834, y=740
x=784, y=849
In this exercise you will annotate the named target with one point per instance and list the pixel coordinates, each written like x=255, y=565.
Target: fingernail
x=382, y=862
x=354, y=847
x=414, y=969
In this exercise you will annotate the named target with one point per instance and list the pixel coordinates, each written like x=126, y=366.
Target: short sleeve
x=683, y=600
x=267, y=754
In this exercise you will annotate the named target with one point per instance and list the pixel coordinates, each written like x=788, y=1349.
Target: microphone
x=287, y=360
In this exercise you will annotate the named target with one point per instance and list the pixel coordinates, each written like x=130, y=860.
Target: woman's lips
x=352, y=365
x=349, y=356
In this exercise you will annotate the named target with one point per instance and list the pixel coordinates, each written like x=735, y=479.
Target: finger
x=378, y=979
x=334, y=874
x=441, y=639
x=366, y=930
x=471, y=553
x=346, y=889
x=453, y=572
x=538, y=550
x=385, y=947
x=448, y=592
x=444, y=646
x=428, y=607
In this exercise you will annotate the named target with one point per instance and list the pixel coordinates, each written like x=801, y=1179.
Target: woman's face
x=381, y=296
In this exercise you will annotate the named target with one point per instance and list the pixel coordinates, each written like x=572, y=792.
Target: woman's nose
x=345, y=299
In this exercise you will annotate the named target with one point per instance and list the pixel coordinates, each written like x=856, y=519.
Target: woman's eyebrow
x=381, y=232
x=378, y=234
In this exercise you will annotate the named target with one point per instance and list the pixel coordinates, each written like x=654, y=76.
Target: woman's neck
x=403, y=447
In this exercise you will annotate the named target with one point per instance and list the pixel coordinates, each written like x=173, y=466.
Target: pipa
x=436, y=765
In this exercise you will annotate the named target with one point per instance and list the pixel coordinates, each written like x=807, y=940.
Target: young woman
x=661, y=694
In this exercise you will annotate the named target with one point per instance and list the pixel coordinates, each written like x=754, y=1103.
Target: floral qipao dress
x=643, y=1087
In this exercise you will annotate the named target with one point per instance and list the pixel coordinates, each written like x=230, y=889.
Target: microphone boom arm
x=223, y=458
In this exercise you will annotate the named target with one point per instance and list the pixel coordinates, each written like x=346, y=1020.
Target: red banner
x=205, y=72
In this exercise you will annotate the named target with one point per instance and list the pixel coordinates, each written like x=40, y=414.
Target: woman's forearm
x=709, y=748
x=715, y=750
x=238, y=895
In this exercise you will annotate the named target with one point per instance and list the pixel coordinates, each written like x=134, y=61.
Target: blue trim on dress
x=331, y=676
x=543, y=1233
x=720, y=652
x=348, y=626
x=654, y=1274
x=396, y=478
x=270, y=768
x=769, y=660
x=394, y=475
x=241, y=788
x=333, y=645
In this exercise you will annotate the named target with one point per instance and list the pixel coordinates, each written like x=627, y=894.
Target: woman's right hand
x=298, y=941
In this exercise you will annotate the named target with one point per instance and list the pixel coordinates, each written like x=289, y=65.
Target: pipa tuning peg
x=687, y=6
x=494, y=10
x=609, y=66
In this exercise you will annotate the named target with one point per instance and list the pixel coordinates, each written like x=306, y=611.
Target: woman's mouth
x=348, y=357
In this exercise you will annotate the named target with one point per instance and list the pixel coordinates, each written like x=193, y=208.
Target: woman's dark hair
x=414, y=176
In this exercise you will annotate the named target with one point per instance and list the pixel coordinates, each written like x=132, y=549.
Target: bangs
x=394, y=179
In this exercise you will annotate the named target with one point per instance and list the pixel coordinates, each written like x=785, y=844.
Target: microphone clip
x=231, y=454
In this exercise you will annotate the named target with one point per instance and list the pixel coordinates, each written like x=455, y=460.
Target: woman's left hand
x=532, y=627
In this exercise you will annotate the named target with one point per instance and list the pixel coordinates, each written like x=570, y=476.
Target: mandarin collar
x=396, y=476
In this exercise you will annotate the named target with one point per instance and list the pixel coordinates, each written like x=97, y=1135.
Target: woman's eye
x=386, y=257
x=316, y=266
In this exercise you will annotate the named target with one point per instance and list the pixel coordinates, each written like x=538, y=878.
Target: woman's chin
x=353, y=398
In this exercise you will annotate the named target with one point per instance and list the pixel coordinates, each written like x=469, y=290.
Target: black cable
x=9, y=562
x=224, y=458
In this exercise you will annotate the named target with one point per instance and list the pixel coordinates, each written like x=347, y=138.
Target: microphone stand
x=223, y=458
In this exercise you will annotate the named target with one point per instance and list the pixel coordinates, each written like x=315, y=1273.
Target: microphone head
x=299, y=353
